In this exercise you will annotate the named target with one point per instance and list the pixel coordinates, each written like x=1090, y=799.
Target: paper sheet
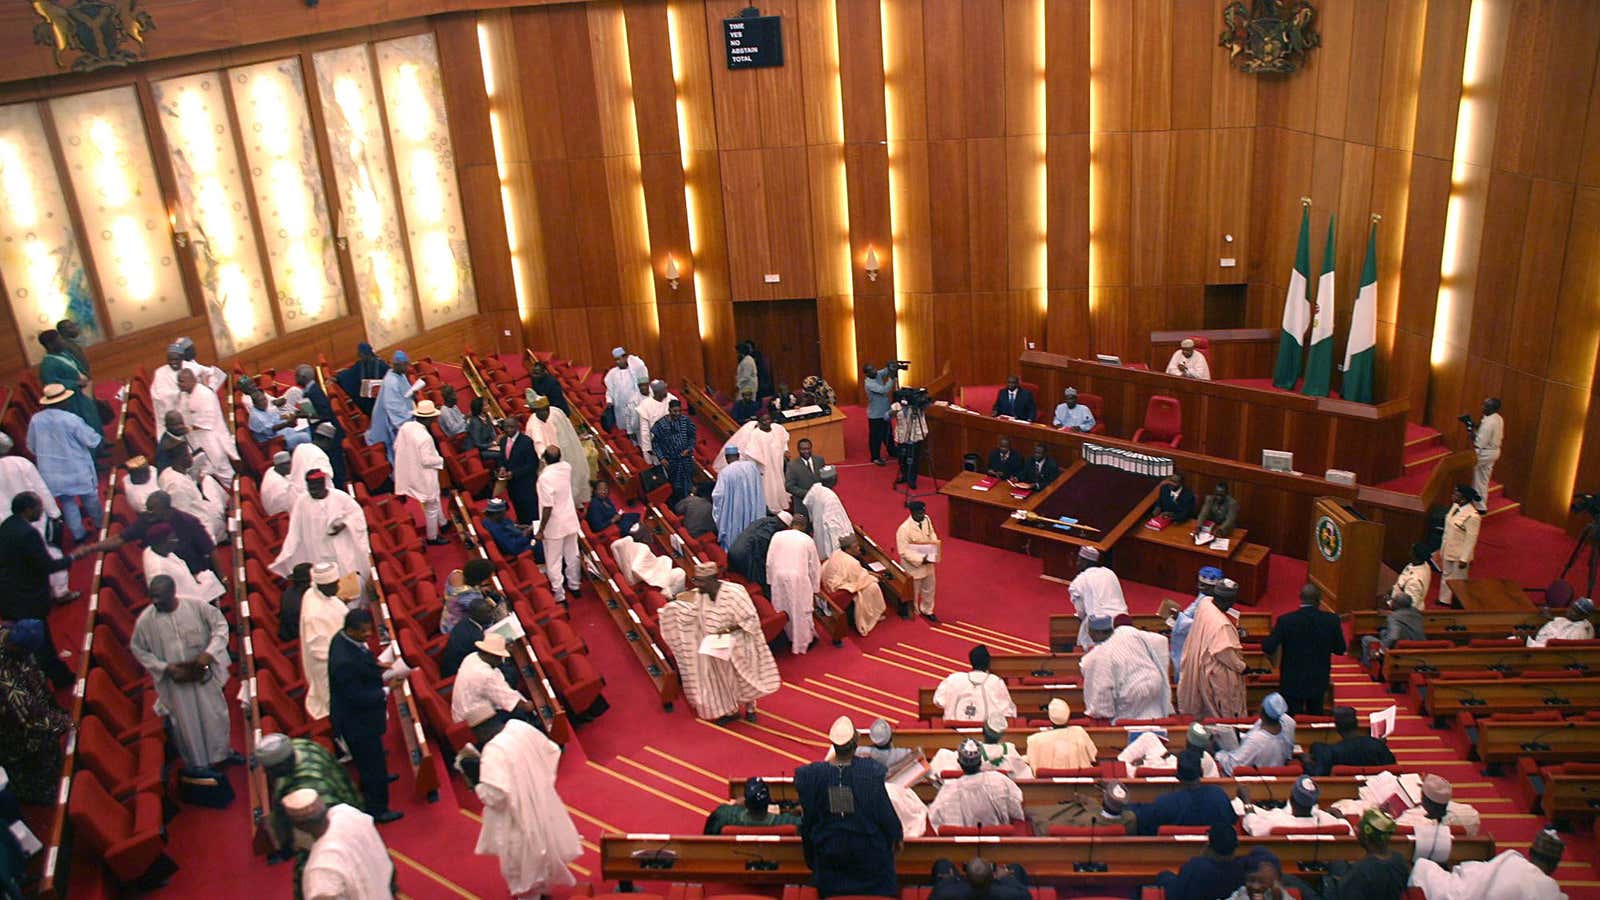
x=719, y=646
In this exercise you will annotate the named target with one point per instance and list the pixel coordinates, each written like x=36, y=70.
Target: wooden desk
x=1064, y=628
x=1107, y=499
x=773, y=859
x=1458, y=625
x=1033, y=700
x=1443, y=698
x=1171, y=559
x=1572, y=740
x=1490, y=594
x=1236, y=421
x=1065, y=666
x=1567, y=797
x=1234, y=352
x=980, y=515
x=1399, y=664
x=826, y=434
x=1052, y=791
x=1275, y=507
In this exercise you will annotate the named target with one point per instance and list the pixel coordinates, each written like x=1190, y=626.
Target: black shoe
x=750, y=715
x=727, y=720
x=437, y=542
x=233, y=759
x=879, y=462
x=931, y=618
x=393, y=778
x=387, y=816
x=900, y=480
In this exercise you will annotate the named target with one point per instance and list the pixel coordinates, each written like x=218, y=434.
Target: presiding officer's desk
x=1238, y=421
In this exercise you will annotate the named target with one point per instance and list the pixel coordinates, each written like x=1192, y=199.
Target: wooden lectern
x=1345, y=555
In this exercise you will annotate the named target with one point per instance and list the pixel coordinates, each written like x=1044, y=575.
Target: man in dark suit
x=520, y=471
x=1309, y=637
x=25, y=569
x=359, y=709
x=1004, y=462
x=1040, y=470
x=464, y=634
x=980, y=878
x=311, y=391
x=1015, y=401
x=1175, y=499
x=801, y=472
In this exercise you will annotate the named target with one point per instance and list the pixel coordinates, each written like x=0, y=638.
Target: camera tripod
x=1588, y=537
x=910, y=456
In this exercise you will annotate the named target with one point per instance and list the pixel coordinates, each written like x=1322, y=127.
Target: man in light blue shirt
x=63, y=446
x=1183, y=621
x=880, y=390
x=265, y=421
x=1071, y=415
x=1269, y=742
x=394, y=405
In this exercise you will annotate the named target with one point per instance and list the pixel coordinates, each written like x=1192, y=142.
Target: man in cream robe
x=843, y=571
x=18, y=474
x=1461, y=526
x=164, y=384
x=638, y=563
x=346, y=859
x=976, y=695
x=737, y=669
x=325, y=525
x=322, y=615
x=795, y=575
x=1095, y=591
x=1574, y=626
x=184, y=647
x=204, y=499
x=1508, y=876
x=1212, y=681
x=622, y=395
x=549, y=425
x=277, y=495
x=829, y=521
x=159, y=559
x=416, y=467
x=651, y=408
x=1062, y=747
x=1126, y=673
x=525, y=823
x=910, y=539
x=981, y=796
x=768, y=446
x=208, y=430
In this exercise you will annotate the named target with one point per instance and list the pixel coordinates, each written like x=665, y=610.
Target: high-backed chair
x=127, y=837
x=1096, y=404
x=1163, y=422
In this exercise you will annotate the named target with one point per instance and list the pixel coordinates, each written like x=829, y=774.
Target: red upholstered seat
x=435, y=711
x=127, y=719
x=1163, y=422
x=113, y=655
x=1096, y=403
x=1268, y=770
x=1336, y=828
x=1201, y=344
x=122, y=770
x=290, y=714
x=1182, y=829
x=128, y=837
x=1496, y=642
x=761, y=829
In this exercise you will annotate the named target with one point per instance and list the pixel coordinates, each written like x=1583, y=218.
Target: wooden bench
x=1012, y=666
x=1051, y=791
x=1448, y=697
x=772, y=859
x=1109, y=740
x=1032, y=701
x=1399, y=664
x=1064, y=628
x=1567, y=740
x=1459, y=626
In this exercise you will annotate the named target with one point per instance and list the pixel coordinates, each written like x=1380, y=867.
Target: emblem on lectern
x=1330, y=541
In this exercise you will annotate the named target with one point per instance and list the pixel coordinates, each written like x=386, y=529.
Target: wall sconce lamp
x=872, y=263
x=672, y=272
x=180, y=236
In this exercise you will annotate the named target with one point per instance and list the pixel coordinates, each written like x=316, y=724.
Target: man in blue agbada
x=737, y=499
x=64, y=447
x=393, y=407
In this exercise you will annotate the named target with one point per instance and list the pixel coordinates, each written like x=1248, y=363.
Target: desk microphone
x=1088, y=864
x=1537, y=746
x=1551, y=698
x=1472, y=698
x=659, y=858
x=755, y=862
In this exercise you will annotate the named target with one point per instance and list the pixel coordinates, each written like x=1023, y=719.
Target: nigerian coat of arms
x=1269, y=36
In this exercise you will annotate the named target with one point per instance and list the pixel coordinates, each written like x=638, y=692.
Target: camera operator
x=910, y=430
x=880, y=385
x=1486, y=435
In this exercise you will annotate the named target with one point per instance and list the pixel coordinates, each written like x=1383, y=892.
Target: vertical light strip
x=1042, y=107
x=686, y=158
x=896, y=161
x=635, y=182
x=508, y=207
x=839, y=175
x=1096, y=67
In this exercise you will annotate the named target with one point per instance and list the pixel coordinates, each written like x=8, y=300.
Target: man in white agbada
x=911, y=541
x=208, y=430
x=139, y=483
x=905, y=767
x=325, y=525
x=979, y=797
x=1126, y=674
x=976, y=695
x=525, y=823
x=480, y=680
x=1187, y=362
x=184, y=647
x=622, y=394
x=1148, y=752
x=1437, y=806
x=18, y=474
x=159, y=559
x=558, y=525
x=304, y=460
x=1096, y=591
x=844, y=571
x=164, y=384
x=1508, y=876
x=1065, y=746
x=1269, y=742
x=548, y=426
x=1574, y=626
x=417, y=464
x=829, y=521
x=346, y=859
x=1302, y=811
x=204, y=498
x=276, y=493
x=322, y=614
x=734, y=668
x=768, y=446
x=651, y=408
x=795, y=574
x=638, y=563
x=210, y=376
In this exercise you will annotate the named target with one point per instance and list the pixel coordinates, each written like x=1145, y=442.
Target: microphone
x=1535, y=745
x=1471, y=698
x=755, y=862
x=659, y=858
x=1088, y=864
x=1551, y=698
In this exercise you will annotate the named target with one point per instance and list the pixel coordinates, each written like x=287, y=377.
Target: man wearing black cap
x=1214, y=873
x=1461, y=526
x=1354, y=748
x=848, y=826
x=1308, y=637
x=756, y=811
x=511, y=538
x=1193, y=803
x=913, y=540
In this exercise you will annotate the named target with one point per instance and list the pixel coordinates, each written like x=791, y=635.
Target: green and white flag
x=1361, y=349
x=1296, y=311
x=1319, y=359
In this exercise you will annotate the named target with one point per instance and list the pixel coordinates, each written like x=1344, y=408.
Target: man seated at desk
x=1004, y=462
x=1072, y=415
x=1039, y=471
x=1175, y=501
x=1187, y=362
x=1220, y=511
x=1015, y=401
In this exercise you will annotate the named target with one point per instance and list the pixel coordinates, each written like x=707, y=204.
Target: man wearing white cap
x=651, y=408
x=482, y=680
x=558, y=525
x=715, y=637
x=417, y=464
x=829, y=521
x=1574, y=626
x=321, y=619
x=1065, y=746
x=276, y=494
x=345, y=857
x=622, y=391
x=998, y=753
x=737, y=499
x=325, y=525
x=1438, y=807
x=1269, y=742
x=164, y=384
x=980, y=797
x=525, y=823
x=1126, y=673
x=1072, y=415
x=843, y=571
x=975, y=695
x=18, y=474
x=1302, y=811
x=795, y=574
x=848, y=826
x=1096, y=591
x=393, y=406
x=1509, y=876
x=1187, y=362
